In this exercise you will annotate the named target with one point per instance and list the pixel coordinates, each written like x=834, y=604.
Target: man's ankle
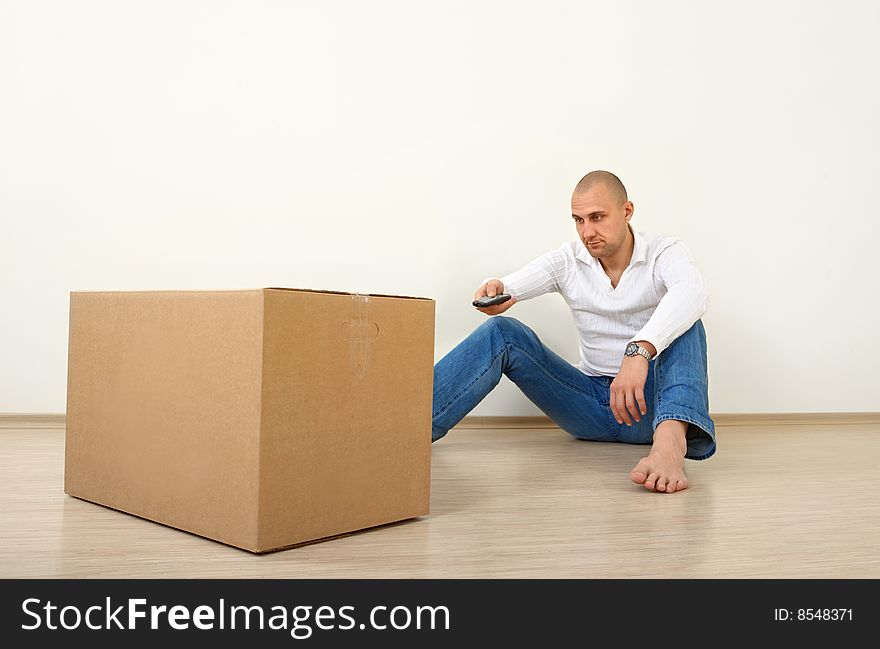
x=671, y=433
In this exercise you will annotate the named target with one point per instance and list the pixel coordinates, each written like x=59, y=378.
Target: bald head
x=606, y=179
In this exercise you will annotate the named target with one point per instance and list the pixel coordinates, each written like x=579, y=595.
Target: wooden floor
x=776, y=501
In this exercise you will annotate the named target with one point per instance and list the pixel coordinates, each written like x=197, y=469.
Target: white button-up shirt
x=660, y=295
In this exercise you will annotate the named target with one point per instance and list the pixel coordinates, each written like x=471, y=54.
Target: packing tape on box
x=361, y=332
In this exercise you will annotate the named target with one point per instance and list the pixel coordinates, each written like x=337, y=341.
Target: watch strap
x=641, y=351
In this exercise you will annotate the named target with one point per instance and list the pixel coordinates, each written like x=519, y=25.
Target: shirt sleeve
x=539, y=276
x=685, y=302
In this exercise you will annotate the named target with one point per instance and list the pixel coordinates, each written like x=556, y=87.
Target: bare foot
x=663, y=468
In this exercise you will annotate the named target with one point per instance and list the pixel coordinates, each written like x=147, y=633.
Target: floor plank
x=776, y=501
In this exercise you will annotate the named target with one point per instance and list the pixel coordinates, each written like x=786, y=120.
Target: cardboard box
x=259, y=418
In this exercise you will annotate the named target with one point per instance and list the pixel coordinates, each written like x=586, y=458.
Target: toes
x=637, y=476
x=676, y=485
x=656, y=481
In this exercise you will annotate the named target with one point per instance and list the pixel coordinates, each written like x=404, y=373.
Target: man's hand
x=492, y=288
x=628, y=390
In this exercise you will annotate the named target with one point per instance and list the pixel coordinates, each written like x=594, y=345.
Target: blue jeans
x=676, y=387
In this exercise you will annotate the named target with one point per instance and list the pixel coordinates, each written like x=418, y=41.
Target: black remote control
x=484, y=301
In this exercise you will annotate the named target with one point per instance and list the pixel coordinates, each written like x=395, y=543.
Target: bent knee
x=508, y=325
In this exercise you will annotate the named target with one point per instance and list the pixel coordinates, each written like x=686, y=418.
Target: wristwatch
x=634, y=348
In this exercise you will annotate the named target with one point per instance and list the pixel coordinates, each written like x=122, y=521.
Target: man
x=637, y=300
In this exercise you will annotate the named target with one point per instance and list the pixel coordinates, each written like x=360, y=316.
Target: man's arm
x=539, y=276
x=685, y=302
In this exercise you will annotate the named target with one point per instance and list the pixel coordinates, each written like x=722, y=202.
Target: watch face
x=631, y=349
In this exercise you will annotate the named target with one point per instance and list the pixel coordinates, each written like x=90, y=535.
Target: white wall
x=418, y=147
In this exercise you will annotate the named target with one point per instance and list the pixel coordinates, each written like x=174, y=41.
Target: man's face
x=600, y=221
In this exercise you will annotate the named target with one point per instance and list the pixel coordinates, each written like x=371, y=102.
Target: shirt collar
x=639, y=255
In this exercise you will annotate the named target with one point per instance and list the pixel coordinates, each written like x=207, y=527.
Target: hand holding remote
x=491, y=299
